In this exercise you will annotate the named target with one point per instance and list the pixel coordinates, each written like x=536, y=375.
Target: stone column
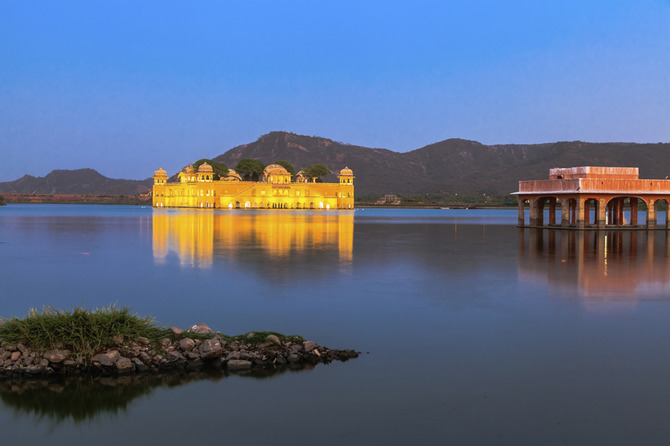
x=533, y=211
x=651, y=214
x=602, y=213
x=552, y=211
x=565, y=212
x=521, y=220
x=580, y=213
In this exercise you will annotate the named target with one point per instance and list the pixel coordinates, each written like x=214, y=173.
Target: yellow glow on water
x=195, y=237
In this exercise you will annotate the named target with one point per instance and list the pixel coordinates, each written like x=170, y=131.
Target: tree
x=316, y=171
x=288, y=166
x=220, y=169
x=2, y=200
x=249, y=169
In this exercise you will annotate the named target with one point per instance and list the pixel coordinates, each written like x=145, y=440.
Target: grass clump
x=82, y=331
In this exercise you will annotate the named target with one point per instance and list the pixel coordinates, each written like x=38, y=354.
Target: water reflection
x=86, y=398
x=624, y=265
x=196, y=237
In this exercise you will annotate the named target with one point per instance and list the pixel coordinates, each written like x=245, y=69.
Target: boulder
x=309, y=346
x=238, y=364
x=124, y=365
x=187, y=344
x=55, y=356
x=176, y=356
x=176, y=330
x=274, y=339
x=210, y=348
x=107, y=359
x=15, y=355
x=200, y=328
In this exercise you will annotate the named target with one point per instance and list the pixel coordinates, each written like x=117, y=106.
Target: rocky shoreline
x=188, y=350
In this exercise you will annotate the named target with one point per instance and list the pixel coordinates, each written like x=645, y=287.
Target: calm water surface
x=477, y=332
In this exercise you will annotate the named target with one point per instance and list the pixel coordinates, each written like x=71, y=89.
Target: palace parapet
x=593, y=198
x=274, y=190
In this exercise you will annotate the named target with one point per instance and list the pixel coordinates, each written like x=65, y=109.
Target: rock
x=210, y=348
x=140, y=366
x=309, y=346
x=176, y=355
x=124, y=365
x=15, y=355
x=55, y=356
x=165, y=343
x=274, y=339
x=44, y=362
x=107, y=359
x=250, y=335
x=176, y=331
x=142, y=340
x=293, y=358
x=22, y=348
x=193, y=354
x=200, y=328
x=232, y=355
x=238, y=364
x=187, y=344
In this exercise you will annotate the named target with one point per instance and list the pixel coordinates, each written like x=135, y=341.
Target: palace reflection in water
x=196, y=237
x=597, y=264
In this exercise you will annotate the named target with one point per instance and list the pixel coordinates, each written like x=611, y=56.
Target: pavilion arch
x=661, y=205
x=591, y=211
x=615, y=206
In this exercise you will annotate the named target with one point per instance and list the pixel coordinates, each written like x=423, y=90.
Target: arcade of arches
x=594, y=198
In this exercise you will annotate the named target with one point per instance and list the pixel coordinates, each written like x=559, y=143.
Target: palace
x=274, y=190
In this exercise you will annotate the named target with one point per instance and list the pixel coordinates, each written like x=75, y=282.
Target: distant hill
x=80, y=181
x=450, y=166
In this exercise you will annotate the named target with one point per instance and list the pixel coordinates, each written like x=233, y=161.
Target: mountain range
x=446, y=167
x=79, y=181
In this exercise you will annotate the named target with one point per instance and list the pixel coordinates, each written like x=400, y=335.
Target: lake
x=472, y=331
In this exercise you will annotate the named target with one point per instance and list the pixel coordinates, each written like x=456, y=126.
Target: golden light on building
x=274, y=190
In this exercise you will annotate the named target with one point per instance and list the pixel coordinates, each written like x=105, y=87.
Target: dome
x=232, y=175
x=160, y=172
x=275, y=169
x=205, y=168
x=189, y=169
x=346, y=171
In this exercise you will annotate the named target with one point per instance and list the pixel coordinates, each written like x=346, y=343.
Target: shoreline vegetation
x=113, y=341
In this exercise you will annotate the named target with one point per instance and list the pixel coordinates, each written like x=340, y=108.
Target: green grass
x=87, y=332
x=82, y=331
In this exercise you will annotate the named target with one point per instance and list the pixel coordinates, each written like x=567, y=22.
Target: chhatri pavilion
x=273, y=190
x=593, y=198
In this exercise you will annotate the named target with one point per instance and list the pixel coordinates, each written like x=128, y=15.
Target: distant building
x=593, y=198
x=274, y=190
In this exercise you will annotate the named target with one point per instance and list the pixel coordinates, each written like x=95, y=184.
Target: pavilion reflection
x=597, y=265
x=196, y=237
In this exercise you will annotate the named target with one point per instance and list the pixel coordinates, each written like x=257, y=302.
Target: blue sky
x=124, y=87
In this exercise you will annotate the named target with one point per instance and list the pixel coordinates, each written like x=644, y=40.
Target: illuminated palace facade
x=274, y=190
